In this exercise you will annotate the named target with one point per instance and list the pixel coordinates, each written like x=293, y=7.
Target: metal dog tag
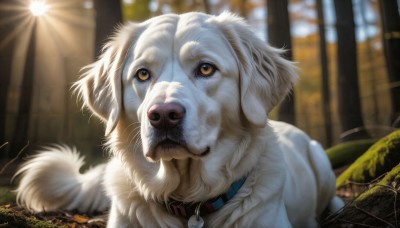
x=195, y=222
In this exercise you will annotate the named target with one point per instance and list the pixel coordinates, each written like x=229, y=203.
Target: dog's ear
x=265, y=76
x=100, y=85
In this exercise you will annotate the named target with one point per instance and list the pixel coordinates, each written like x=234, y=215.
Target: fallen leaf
x=80, y=219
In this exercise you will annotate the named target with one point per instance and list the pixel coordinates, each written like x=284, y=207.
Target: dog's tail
x=51, y=180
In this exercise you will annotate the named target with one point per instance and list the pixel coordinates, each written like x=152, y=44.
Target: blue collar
x=186, y=210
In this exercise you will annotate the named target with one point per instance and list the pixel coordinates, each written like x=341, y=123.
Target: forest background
x=41, y=56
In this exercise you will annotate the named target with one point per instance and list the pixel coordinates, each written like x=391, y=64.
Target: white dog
x=185, y=99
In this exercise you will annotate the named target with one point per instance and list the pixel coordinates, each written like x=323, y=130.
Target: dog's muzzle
x=168, y=141
x=166, y=120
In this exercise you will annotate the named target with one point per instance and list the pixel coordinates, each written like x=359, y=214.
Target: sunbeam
x=20, y=26
x=58, y=32
x=72, y=18
x=18, y=6
x=20, y=19
x=56, y=19
x=14, y=18
x=61, y=36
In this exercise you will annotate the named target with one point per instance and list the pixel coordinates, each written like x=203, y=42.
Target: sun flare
x=38, y=8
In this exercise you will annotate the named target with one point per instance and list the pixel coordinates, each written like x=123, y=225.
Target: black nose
x=166, y=115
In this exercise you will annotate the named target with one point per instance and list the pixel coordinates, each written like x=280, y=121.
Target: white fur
x=51, y=180
x=289, y=179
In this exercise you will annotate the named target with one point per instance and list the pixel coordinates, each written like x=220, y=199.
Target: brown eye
x=206, y=70
x=142, y=74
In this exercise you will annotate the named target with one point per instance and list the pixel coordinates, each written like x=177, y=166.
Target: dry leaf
x=80, y=219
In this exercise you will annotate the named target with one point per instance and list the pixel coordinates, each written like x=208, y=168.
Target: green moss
x=6, y=195
x=390, y=180
x=12, y=218
x=379, y=159
x=346, y=153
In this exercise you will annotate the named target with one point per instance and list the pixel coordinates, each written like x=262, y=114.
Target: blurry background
x=348, y=53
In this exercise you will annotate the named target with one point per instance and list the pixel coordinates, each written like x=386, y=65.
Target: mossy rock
x=391, y=181
x=376, y=207
x=376, y=161
x=347, y=152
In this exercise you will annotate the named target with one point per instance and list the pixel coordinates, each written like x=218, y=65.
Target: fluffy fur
x=224, y=135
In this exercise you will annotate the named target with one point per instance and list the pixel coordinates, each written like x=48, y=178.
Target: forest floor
x=12, y=215
x=374, y=213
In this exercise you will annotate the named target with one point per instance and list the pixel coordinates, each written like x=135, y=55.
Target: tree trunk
x=371, y=64
x=6, y=56
x=243, y=8
x=391, y=41
x=108, y=16
x=207, y=8
x=21, y=131
x=326, y=99
x=348, y=89
x=279, y=36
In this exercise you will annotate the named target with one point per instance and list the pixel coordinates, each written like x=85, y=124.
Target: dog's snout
x=166, y=115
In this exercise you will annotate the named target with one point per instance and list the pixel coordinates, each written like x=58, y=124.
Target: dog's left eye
x=205, y=70
x=142, y=74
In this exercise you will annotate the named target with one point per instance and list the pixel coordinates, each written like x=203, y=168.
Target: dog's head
x=194, y=85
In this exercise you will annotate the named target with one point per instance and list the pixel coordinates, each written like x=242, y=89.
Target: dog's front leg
x=274, y=218
x=272, y=215
x=117, y=219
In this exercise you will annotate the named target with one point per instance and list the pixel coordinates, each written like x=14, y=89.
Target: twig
x=372, y=182
x=395, y=209
x=3, y=144
x=15, y=158
x=373, y=216
x=356, y=223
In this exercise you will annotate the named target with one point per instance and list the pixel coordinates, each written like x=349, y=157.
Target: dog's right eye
x=142, y=74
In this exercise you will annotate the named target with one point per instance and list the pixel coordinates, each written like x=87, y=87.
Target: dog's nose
x=166, y=114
